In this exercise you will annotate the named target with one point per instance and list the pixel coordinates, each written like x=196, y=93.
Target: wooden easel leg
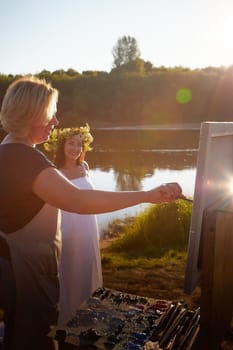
x=216, y=279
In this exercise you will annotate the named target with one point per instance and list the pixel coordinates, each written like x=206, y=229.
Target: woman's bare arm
x=56, y=190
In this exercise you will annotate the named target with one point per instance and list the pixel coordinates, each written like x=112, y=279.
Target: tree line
x=140, y=97
x=135, y=92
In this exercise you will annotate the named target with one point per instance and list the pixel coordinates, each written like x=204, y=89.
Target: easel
x=210, y=249
x=216, y=265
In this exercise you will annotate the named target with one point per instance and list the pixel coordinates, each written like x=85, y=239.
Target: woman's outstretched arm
x=56, y=190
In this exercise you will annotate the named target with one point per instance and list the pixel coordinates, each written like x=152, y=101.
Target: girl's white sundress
x=80, y=264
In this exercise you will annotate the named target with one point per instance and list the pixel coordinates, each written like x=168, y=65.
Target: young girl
x=80, y=264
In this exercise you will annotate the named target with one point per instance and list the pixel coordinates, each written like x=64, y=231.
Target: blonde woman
x=32, y=190
x=80, y=264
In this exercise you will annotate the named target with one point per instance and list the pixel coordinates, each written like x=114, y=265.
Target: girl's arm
x=53, y=188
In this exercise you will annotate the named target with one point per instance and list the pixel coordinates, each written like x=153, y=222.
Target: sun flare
x=230, y=186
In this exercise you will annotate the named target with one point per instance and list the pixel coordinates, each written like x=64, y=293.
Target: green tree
x=125, y=51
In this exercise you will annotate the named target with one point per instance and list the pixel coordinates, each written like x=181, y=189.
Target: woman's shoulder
x=28, y=159
x=19, y=151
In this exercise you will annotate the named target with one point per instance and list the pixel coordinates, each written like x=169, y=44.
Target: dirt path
x=159, y=282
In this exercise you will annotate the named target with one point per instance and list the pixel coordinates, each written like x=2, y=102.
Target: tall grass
x=159, y=229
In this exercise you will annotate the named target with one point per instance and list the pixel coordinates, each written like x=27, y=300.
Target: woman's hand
x=167, y=192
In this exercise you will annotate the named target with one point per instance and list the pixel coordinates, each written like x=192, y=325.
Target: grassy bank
x=160, y=232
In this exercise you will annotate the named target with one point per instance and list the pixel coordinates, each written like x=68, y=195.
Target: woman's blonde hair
x=29, y=101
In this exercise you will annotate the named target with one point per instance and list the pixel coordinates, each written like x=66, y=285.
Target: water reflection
x=131, y=167
x=141, y=159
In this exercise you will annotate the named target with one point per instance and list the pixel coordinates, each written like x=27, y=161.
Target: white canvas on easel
x=214, y=176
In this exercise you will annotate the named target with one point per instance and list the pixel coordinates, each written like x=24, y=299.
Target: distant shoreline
x=187, y=126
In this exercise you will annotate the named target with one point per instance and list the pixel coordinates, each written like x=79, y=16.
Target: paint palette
x=111, y=319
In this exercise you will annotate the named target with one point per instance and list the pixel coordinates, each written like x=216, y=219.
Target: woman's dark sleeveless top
x=20, y=164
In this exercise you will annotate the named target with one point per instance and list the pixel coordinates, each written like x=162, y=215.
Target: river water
x=141, y=159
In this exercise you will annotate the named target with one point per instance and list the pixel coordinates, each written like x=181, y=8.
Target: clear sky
x=80, y=34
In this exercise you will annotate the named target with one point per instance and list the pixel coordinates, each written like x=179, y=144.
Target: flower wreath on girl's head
x=59, y=135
